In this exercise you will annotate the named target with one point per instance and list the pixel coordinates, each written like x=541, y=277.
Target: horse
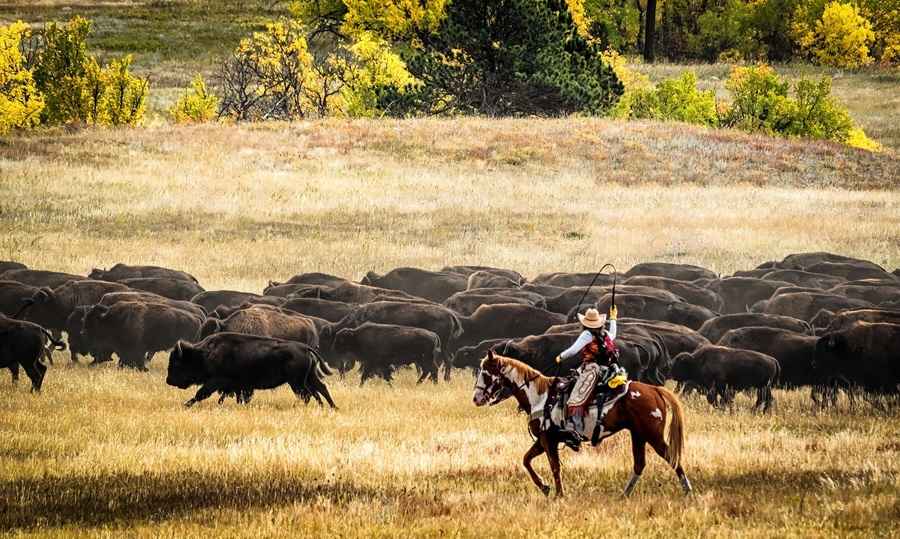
x=651, y=414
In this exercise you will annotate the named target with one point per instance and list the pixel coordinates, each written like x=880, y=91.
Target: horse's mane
x=541, y=382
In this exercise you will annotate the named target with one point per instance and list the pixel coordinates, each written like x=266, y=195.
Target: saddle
x=608, y=388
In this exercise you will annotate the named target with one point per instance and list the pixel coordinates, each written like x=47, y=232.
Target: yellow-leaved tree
x=20, y=101
x=840, y=38
x=373, y=66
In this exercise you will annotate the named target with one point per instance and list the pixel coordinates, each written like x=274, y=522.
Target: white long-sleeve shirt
x=584, y=339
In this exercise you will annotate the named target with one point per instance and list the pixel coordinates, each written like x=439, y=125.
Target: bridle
x=497, y=387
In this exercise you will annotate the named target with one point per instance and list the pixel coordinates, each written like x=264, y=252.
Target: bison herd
x=816, y=320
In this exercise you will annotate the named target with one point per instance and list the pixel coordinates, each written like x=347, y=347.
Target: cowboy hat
x=592, y=319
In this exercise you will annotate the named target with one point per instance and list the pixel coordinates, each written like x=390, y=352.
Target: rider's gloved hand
x=613, y=312
x=558, y=359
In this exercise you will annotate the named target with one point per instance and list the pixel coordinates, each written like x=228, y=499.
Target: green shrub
x=676, y=100
x=196, y=105
x=20, y=101
x=61, y=70
x=761, y=102
x=77, y=89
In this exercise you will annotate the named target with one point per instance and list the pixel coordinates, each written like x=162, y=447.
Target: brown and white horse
x=653, y=415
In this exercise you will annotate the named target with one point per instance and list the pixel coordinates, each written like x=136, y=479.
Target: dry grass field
x=109, y=453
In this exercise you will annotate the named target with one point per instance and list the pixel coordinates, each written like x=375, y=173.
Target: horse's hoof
x=545, y=490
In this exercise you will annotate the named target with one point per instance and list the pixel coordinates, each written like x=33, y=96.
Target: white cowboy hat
x=592, y=319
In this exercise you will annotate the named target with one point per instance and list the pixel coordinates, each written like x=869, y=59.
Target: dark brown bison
x=14, y=296
x=682, y=272
x=826, y=321
x=235, y=363
x=487, y=279
x=40, y=278
x=505, y=320
x=572, y=297
x=804, y=278
x=739, y=293
x=469, y=357
x=136, y=330
x=676, y=337
x=27, y=345
x=148, y=297
x=265, y=321
x=795, y=352
x=803, y=261
x=688, y=291
x=435, y=318
x=805, y=305
x=381, y=348
x=715, y=328
x=357, y=293
x=851, y=271
x=721, y=370
x=50, y=307
x=222, y=312
x=210, y=300
x=865, y=354
x=568, y=280
x=316, y=278
x=79, y=345
x=432, y=285
x=7, y=265
x=169, y=288
x=124, y=271
x=320, y=308
x=466, y=271
x=654, y=308
x=284, y=290
x=875, y=294
x=466, y=304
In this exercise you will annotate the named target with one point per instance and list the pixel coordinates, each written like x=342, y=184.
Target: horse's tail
x=675, y=438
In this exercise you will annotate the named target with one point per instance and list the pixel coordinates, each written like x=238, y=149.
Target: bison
x=40, y=278
x=28, y=345
x=507, y=320
x=50, y=307
x=488, y=279
x=136, y=330
x=432, y=285
x=235, y=363
x=210, y=300
x=120, y=272
x=805, y=305
x=866, y=354
x=381, y=348
x=265, y=321
x=739, y=293
x=721, y=370
x=167, y=287
x=690, y=292
x=681, y=272
x=715, y=328
x=332, y=311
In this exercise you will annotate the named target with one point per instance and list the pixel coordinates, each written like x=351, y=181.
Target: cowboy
x=599, y=358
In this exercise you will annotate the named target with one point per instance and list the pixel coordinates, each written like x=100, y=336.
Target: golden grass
x=106, y=452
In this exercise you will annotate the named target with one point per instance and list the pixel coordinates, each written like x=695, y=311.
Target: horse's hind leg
x=536, y=450
x=639, y=454
x=663, y=451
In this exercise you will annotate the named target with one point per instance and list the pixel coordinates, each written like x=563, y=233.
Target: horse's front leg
x=536, y=450
x=552, y=449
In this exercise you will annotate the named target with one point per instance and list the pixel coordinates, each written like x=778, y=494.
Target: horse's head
x=489, y=382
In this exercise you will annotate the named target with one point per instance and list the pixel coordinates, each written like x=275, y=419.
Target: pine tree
x=508, y=57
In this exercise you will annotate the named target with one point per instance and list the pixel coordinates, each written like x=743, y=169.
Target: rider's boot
x=572, y=434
